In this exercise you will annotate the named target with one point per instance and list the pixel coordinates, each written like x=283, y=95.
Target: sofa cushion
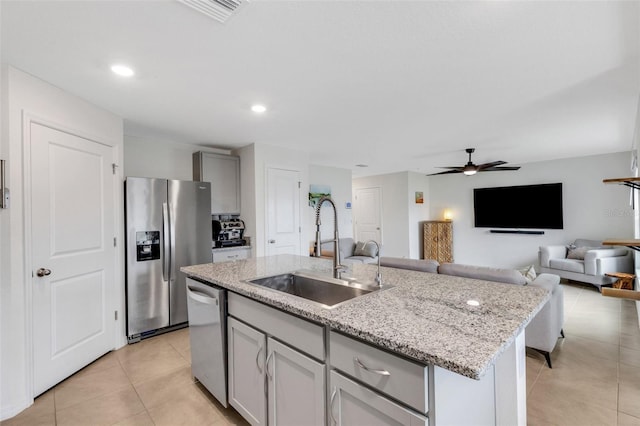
x=579, y=252
x=509, y=276
x=365, y=249
x=528, y=272
x=360, y=259
x=424, y=265
x=571, y=265
x=587, y=243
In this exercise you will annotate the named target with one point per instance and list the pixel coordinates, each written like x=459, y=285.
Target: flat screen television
x=519, y=207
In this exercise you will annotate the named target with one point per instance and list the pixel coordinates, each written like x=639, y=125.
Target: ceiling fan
x=471, y=169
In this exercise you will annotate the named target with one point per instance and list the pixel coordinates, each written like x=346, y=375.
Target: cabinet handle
x=371, y=370
x=266, y=366
x=333, y=397
x=257, y=357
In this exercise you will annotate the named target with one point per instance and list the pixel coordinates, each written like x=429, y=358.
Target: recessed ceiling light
x=473, y=303
x=122, y=70
x=258, y=108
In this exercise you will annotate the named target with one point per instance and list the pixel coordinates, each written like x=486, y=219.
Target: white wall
x=248, y=192
x=395, y=210
x=23, y=94
x=418, y=213
x=592, y=209
x=339, y=180
x=263, y=157
x=161, y=158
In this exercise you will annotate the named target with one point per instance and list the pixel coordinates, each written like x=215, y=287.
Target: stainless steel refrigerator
x=168, y=225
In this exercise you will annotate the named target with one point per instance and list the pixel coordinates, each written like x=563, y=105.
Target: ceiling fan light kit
x=471, y=169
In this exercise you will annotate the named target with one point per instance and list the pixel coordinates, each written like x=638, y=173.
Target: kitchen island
x=473, y=355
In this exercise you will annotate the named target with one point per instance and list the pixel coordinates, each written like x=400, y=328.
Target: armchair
x=586, y=261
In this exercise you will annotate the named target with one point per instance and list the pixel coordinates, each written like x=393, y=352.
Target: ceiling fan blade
x=499, y=169
x=451, y=167
x=446, y=173
x=492, y=164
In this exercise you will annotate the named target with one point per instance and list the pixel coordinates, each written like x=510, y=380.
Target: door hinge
x=115, y=315
x=300, y=229
x=114, y=166
x=115, y=241
x=299, y=184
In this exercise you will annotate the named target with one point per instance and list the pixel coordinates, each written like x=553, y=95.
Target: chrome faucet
x=337, y=267
x=378, y=278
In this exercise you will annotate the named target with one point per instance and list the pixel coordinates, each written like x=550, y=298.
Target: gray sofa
x=588, y=262
x=347, y=247
x=545, y=328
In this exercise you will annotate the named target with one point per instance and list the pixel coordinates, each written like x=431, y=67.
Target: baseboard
x=13, y=410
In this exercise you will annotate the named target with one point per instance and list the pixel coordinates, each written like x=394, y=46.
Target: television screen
x=526, y=206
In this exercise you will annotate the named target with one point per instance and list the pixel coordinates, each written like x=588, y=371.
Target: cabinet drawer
x=297, y=332
x=227, y=255
x=397, y=377
x=354, y=404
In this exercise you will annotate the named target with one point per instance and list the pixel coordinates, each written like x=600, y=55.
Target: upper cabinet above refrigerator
x=223, y=171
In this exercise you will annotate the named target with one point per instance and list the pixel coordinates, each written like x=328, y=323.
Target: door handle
x=272, y=241
x=43, y=272
x=266, y=366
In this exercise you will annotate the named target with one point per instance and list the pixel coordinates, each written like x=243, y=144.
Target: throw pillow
x=365, y=249
x=578, y=253
x=529, y=273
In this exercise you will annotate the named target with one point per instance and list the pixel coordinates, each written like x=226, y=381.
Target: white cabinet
x=223, y=171
x=263, y=370
x=403, y=380
x=354, y=404
x=228, y=254
x=295, y=387
x=247, y=348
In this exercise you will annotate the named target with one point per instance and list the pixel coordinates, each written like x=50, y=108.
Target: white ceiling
x=397, y=85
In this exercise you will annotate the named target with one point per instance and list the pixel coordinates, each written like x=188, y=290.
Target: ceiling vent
x=220, y=10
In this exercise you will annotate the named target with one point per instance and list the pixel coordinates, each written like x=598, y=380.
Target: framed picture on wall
x=419, y=197
x=316, y=192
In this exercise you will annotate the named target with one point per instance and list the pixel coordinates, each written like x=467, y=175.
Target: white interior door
x=368, y=215
x=73, y=253
x=283, y=212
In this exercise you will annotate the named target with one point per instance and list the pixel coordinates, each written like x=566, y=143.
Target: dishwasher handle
x=198, y=296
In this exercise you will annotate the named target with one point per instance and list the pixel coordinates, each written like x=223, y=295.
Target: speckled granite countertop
x=424, y=316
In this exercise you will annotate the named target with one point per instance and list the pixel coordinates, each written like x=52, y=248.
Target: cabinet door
x=354, y=404
x=247, y=348
x=223, y=171
x=295, y=386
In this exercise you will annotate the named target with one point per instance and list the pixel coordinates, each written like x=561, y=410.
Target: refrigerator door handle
x=165, y=239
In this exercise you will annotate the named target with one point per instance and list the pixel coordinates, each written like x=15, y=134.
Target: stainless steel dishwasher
x=206, y=307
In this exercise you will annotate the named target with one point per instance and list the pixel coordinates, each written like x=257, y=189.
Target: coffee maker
x=227, y=232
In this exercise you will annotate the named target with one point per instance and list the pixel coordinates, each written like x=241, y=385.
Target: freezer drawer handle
x=201, y=297
x=371, y=370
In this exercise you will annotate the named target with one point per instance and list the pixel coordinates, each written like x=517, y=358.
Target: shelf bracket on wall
x=631, y=182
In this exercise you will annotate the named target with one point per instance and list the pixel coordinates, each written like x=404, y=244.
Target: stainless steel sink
x=325, y=291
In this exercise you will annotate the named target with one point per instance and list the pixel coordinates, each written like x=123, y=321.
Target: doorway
x=73, y=253
x=368, y=214
x=283, y=233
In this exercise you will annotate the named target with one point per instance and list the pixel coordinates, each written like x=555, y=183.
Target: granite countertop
x=423, y=316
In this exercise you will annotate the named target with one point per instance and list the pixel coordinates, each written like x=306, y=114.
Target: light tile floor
x=595, y=378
